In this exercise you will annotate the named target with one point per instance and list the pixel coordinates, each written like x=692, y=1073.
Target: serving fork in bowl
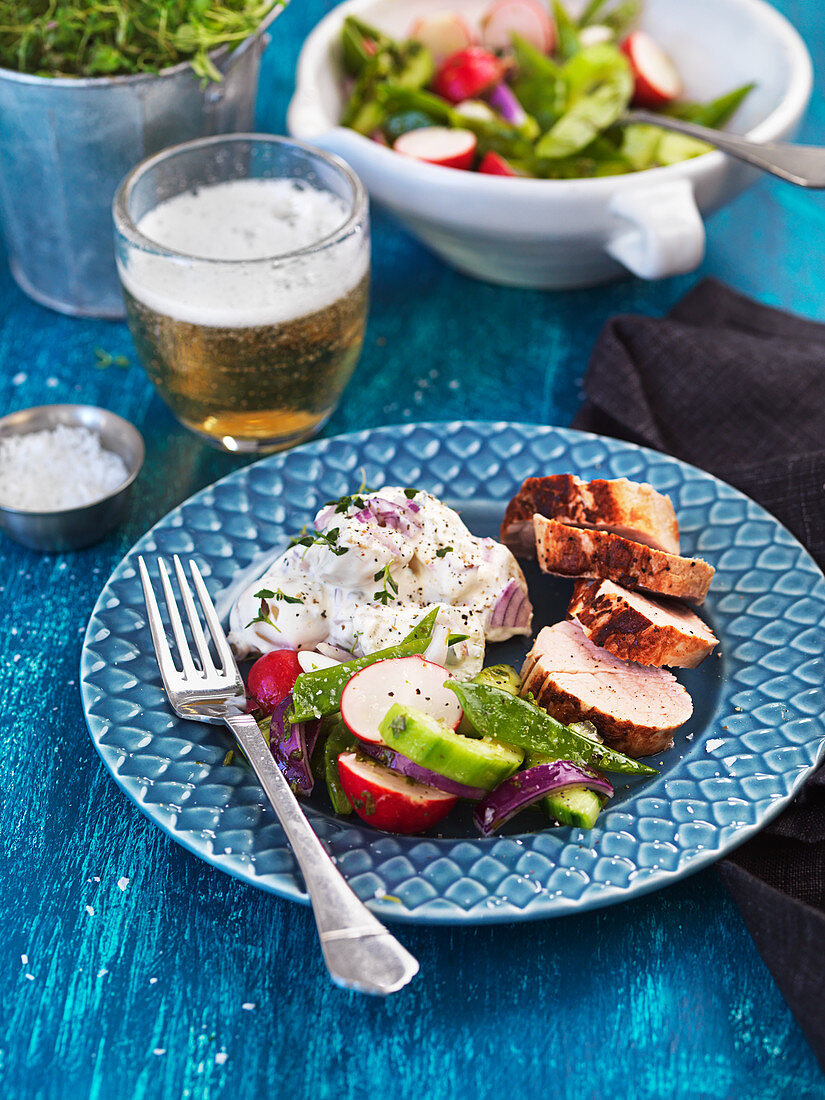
x=359, y=952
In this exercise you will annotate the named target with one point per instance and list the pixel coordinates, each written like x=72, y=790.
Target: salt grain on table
x=57, y=468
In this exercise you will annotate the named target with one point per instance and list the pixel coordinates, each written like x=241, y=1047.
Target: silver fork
x=359, y=951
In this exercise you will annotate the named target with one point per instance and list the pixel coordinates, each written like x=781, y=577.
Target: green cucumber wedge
x=432, y=744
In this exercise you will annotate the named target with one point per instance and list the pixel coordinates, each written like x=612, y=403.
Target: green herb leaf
x=89, y=38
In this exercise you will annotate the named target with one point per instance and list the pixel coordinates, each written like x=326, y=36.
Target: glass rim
x=125, y=225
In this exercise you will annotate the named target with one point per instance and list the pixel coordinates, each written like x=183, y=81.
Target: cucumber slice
x=432, y=744
x=576, y=806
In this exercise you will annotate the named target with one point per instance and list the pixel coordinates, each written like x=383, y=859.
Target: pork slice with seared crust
x=576, y=552
x=634, y=510
x=635, y=709
x=638, y=628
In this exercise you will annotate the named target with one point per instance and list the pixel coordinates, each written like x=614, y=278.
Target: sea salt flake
x=123, y=883
x=152, y=981
x=19, y=379
x=90, y=910
x=57, y=468
x=221, y=1057
x=30, y=977
x=24, y=959
x=249, y=1005
x=159, y=1050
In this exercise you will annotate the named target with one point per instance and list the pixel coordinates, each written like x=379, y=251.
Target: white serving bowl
x=571, y=233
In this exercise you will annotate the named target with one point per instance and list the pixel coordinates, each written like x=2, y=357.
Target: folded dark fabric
x=738, y=388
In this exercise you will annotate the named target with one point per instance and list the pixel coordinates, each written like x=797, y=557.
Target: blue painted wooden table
x=131, y=969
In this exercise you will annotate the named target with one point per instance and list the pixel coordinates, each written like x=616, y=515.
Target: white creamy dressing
x=340, y=593
x=249, y=229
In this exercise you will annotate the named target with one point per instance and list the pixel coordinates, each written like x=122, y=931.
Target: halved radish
x=492, y=164
x=410, y=681
x=656, y=78
x=439, y=145
x=388, y=801
x=272, y=678
x=529, y=19
x=468, y=73
x=443, y=34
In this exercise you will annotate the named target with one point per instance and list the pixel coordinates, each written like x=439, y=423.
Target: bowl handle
x=665, y=235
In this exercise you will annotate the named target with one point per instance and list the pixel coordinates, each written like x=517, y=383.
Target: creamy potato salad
x=374, y=565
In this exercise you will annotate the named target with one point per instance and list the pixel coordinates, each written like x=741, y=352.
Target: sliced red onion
x=512, y=608
x=401, y=764
x=526, y=787
x=323, y=517
x=388, y=514
x=291, y=744
x=334, y=652
x=503, y=98
x=436, y=651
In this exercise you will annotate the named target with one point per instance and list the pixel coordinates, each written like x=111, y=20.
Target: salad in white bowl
x=569, y=232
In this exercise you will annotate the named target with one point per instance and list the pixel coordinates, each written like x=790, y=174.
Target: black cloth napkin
x=738, y=388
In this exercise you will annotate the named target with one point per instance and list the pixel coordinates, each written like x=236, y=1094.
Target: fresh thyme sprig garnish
x=343, y=504
x=320, y=538
x=265, y=611
x=390, y=589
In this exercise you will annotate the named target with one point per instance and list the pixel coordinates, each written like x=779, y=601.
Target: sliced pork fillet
x=631, y=509
x=576, y=552
x=637, y=628
x=635, y=709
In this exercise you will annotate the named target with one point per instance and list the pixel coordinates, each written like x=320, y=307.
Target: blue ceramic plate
x=756, y=733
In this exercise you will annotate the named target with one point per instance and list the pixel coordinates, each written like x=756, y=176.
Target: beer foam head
x=249, y=226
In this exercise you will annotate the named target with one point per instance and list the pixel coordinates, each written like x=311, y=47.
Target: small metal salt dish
x=73, y=528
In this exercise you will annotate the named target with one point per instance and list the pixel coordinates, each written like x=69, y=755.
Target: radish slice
x=492, y=164
x=401, y=764
x=443, y=34
x=475, y=109
x=410, y=681
x=389, y=801
x=595, y=35
x=439, y=145
x=468, y=74
x=310, y=661
x=526, y=18
x=657, y=80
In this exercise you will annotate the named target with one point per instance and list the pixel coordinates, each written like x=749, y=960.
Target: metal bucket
x=65, y=145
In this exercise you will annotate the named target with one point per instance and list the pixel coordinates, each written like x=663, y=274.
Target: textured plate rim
x=288, y=885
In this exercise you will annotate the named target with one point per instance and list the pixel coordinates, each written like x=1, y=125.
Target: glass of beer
x=244, y=261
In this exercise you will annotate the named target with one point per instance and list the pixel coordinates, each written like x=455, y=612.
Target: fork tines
x=189, y=670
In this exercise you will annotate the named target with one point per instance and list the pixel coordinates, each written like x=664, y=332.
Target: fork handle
x=359, y=951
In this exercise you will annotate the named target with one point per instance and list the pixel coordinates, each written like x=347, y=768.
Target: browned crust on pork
x=633, y=738
x=578, y=552
x=635, y=509
x=609, y=621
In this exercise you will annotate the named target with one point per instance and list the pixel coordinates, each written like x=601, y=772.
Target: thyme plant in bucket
x=87, y=89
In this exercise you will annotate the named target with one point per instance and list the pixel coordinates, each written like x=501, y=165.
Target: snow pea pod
x=600, y=86
x=515, y=721
x=318, y=693
x=339, y=739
